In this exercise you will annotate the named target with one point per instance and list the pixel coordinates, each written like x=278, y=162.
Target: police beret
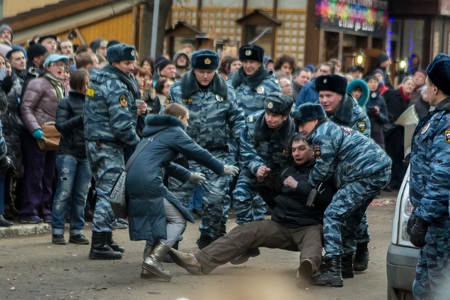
x=308, y=112
x=120, y=52
x=205, y=60
x=279, y=104
x=251, y=52
x=438, y=72
x=332, y=82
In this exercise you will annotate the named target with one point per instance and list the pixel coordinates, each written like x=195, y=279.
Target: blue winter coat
x=144, y=184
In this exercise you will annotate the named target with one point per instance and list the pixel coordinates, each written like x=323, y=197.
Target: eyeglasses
x=59, y=65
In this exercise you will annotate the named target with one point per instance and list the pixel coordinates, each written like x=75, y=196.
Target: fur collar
x=190, y=86
x=444, y=104
x=163, y=120
x=344, y=114
x=253, y=81
x=282, y=137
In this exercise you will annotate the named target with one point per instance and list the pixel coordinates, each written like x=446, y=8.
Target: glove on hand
x=230, y=170
x=38, y=134
x=197, y=178
x=418, y=232
x=7, y=84
x=410, y=224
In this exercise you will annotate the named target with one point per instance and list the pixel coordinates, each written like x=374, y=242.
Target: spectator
x=355, y=71
x=162, y=90
x=50, y=42
x=188, y=49
x=378, y=73
x=182, y=63
x=74, y=173
x=422, y=106
x=286, y=87
x=165, y=68
x=383, y=63
x=233, y=65
x=17, y=58
x=148, y=94
x=86, y=61
x=6, y=33
x=301, y=77
x=337, y=65
x=148, y=64
x=39, y=105
x=98, y=46
x=66, y=47
x=376, y=111
x=35, y=56
x=397, y=101
x=284, y=66
x=268, y=63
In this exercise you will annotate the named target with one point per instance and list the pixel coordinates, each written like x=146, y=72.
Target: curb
x=25, y=230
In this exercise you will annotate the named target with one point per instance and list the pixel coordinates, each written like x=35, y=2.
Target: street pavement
x=31, y=267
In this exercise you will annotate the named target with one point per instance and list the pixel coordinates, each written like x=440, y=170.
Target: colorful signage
x=365, y=16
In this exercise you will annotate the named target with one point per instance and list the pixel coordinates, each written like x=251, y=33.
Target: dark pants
x=265, y=233
x=39, y=169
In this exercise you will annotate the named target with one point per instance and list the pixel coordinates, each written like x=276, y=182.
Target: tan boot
x=152, y=263
x=186, y=261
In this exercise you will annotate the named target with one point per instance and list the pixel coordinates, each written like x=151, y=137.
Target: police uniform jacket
x=251, y=91
x=261, y=146
x=110, y=111
x=69, y=121
x=350, y=114
x=213, y=111
x=430, y=166
x=144, y=183
x=345, y=155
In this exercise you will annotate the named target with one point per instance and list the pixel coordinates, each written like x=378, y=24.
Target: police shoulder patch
x=447, y=136
x=362, y=126
x=123, y=100
x=90, y=92
x=317, y=151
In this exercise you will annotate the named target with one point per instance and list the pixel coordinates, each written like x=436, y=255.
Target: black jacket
x=289, y=204
x=70, y=122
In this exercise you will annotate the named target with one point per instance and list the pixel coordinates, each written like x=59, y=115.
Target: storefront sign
x=365, y=16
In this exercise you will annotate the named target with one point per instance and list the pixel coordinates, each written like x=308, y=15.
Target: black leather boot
x=204, y=241
x=113, y=244
x=362, y=257
x=100, y=248
x=152, y=263
x=332, y=273
x=347, y=266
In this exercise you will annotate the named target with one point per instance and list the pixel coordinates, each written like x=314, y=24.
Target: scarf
x=405, y=97
x=253, y=81
x=57, y=84
x=129, y=81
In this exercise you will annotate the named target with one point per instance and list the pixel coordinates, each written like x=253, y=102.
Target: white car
x=402, y=256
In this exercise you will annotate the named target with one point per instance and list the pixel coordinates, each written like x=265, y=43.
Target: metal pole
x=154, y=28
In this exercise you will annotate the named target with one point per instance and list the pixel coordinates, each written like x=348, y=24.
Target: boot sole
x=191, y=269
x=104, y=257
x=149, y=268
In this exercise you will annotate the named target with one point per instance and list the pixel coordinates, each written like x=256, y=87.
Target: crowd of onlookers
x=34, y=79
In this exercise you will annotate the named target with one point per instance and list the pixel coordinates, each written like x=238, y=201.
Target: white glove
x=230, y=170
x=197, y=178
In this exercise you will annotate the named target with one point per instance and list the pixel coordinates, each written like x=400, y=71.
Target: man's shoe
x=100, y=249
x=187, y=261
x=253, y=252
x=30, y=220
x=5, y=223
x=361, y=258
x=347, y=266
x=204, y=241
x=119, y=225
x=78, y=239
x=48, y=219
x=304, y=273
x=58, y=239
x=331, y=275
x=111, y=243
x=120, y=220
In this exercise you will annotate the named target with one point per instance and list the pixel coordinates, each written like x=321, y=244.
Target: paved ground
x=31, y=267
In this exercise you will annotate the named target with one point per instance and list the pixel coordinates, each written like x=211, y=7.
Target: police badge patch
x=260, y=89
x=270, y=105
x=362, y=126
x=317, y=151
x=207, y=61
x=447, y=136
x=219, y=98
x=90, y=92
x=167, y=102
x=123, y=100
x=248, y=52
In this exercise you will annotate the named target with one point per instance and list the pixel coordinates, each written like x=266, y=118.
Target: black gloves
x=418, y=232
x=410, y=224
x=7, y=84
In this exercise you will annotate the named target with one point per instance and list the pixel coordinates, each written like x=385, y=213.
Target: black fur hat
x=332, y=82
x=278, y=104
x=251, y=52
x=205, y=60
x=308, y=112
x=120, y=52
x=438, y=72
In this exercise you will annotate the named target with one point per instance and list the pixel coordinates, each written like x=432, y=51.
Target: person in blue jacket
x=155, y=214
